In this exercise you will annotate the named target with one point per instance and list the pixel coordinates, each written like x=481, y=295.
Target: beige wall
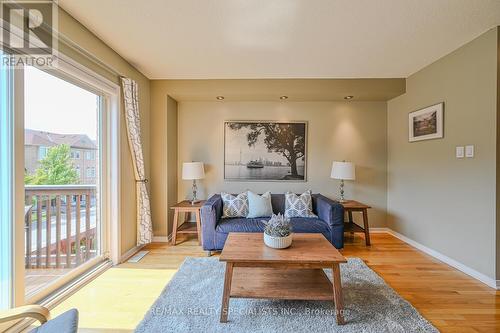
x=445, y=203
x=82, y=37
x=192, y=129
x=498, y=158
x=172, y=147
x=164, y=158
x=354, y=131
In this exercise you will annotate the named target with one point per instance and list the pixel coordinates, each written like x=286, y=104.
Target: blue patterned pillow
x=298, y=206
x=234, y=206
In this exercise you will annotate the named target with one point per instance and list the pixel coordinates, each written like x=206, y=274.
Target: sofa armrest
x=211, y=213
x=329, y=211
x=332, y=213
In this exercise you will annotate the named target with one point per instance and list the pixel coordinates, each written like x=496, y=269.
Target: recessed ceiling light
x=349, y=97
x=220, y=98
x=283, y=97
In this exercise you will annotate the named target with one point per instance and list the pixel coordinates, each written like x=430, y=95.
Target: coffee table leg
x=337, y=294
x=227, y=292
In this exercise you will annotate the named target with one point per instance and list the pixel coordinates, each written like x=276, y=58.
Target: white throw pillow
x=259, y=205
x=234, y=206
x=298, y=206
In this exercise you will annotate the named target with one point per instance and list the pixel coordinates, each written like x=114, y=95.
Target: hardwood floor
x=117, y=300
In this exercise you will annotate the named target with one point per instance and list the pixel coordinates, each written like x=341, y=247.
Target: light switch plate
x=469, y=151
x=460, y=152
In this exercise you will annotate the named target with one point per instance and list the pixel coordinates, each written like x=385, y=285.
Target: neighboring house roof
x=41, y=138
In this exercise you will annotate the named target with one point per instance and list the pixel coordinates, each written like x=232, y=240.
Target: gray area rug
x=191, y=303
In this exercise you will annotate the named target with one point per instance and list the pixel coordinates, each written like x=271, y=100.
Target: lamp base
x=341, y=190
x=194, y=189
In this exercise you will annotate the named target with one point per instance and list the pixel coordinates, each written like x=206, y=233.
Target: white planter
x=278, y=242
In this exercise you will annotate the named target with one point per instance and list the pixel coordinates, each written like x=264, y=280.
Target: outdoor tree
x=55, y=169
x=286, y=139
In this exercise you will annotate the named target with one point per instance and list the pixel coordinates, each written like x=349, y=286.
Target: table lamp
x=193, y=171
x=343, y=171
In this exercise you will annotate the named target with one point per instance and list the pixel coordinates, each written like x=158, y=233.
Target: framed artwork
x=426, y=123
x=265, y=151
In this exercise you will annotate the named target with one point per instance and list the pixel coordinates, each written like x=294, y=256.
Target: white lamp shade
x=193, y=170
x=343, y=170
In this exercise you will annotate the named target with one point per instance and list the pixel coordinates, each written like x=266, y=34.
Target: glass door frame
x=7, y=188
x=109, y=187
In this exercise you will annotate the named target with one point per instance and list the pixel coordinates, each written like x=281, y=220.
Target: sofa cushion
x=309, y=225
x=278, y=203
x=259, y=205
x=299, y=225
x=241, y=225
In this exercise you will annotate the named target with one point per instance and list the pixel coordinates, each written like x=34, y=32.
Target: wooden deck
x=38, y=278
x=60, y=231
x=118, y=299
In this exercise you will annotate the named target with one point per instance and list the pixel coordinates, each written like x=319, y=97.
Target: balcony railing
x=61, y=225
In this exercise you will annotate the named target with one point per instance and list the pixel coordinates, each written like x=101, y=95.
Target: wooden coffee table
x=254, y=270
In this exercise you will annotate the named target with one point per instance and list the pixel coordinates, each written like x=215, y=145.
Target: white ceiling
x=214, y=39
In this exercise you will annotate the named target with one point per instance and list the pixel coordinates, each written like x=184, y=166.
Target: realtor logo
x=28, y=36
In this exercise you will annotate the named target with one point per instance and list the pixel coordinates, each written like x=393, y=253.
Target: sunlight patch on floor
x=118, y=299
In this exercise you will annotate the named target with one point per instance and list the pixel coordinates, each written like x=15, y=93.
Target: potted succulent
x=278, y=232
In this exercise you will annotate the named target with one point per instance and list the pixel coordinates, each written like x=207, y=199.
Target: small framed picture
x=426, y=123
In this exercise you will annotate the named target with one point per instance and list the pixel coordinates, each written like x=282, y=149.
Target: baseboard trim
x=130, y=253
x=379, y=230
x=162, y=239
x=495, y=284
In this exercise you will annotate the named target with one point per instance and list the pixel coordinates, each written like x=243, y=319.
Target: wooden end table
x=187, y=227
x=254, y=270
x=355, y=206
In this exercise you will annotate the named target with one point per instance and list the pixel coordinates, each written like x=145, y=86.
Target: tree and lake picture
x=264, y=150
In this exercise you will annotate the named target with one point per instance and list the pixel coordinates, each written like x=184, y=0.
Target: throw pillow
x=234, y=206
x=259, y=205
x=298, y=206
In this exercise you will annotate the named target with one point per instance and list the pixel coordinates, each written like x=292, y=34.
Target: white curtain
x=133, y=121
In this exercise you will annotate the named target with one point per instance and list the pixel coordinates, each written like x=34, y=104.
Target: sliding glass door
x=62, y=164
x=59, y=179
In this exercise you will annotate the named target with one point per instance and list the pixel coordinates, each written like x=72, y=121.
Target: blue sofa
x=330, y=221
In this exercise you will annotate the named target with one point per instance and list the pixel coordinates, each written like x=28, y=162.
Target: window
x=75, y=154
x=42, y=152
x=90, y=155
x=78, y=172
x=90, y=172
